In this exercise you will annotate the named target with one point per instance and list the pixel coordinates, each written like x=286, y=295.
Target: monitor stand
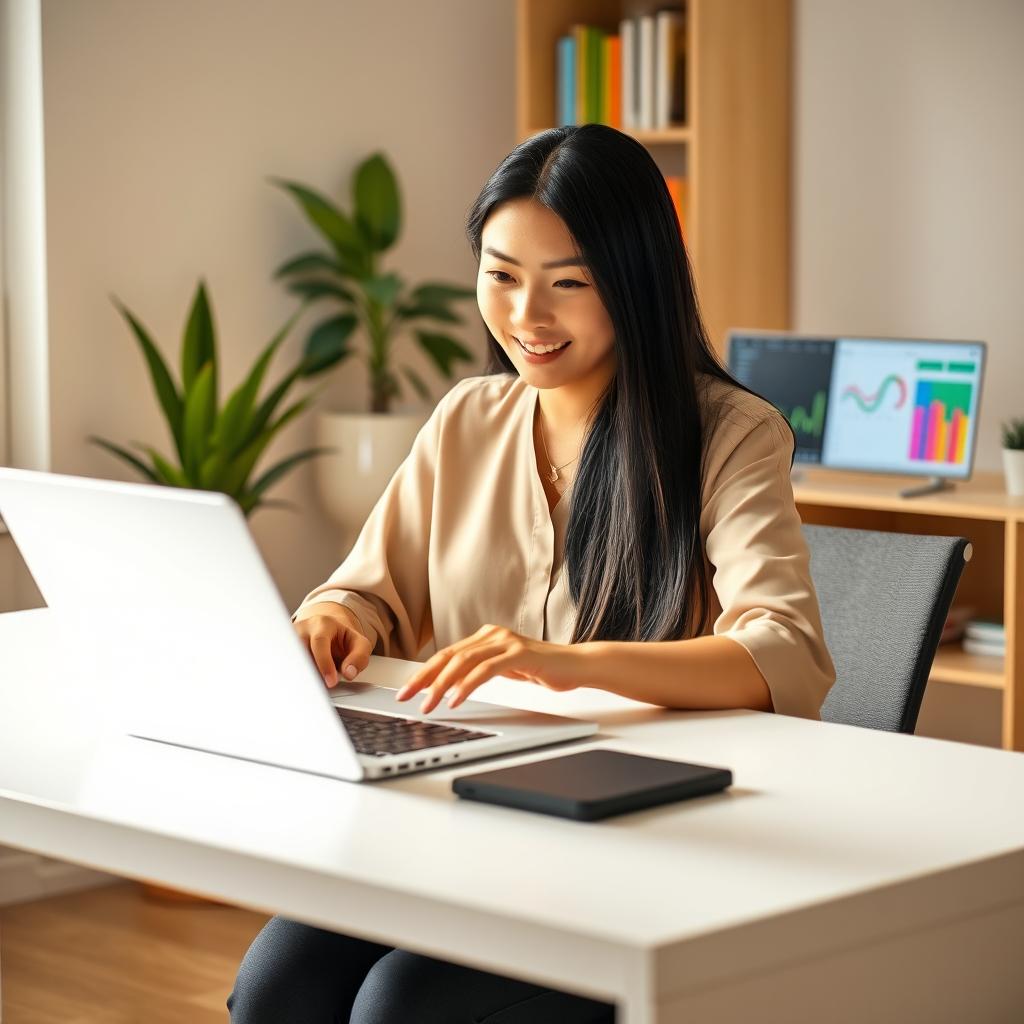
x=936, y=483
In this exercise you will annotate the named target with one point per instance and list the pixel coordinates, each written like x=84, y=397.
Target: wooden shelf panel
x=666, y=136
x=663, y=137
x=982, y=497
x=954, y=665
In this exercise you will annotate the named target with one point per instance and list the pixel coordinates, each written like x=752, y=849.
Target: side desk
x=993, y=580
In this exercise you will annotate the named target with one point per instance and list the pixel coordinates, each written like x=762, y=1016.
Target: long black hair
x=633, y=549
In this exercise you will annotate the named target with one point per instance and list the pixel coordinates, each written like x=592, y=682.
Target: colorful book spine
x=645, y=120
x=567, y=80
x=627, y=33
x=613, y=81
x=633, y=80
x=596, y=67
x=677, y=190
x=580, y=35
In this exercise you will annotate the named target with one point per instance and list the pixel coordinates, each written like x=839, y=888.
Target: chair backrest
x=884, y=598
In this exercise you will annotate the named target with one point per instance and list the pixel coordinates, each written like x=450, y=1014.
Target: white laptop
x=162, y=593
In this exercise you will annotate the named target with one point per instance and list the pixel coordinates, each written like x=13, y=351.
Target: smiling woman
x=564, y=515
x=605, y=507
x=539, y=310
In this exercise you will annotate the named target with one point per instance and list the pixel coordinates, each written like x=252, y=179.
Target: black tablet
x=592, y=784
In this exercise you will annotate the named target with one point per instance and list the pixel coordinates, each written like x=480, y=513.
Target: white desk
x=847, y=875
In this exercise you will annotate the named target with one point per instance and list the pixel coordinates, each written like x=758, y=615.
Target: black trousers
x=296, y=974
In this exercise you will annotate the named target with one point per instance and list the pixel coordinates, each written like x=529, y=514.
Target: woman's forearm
x=700, y=674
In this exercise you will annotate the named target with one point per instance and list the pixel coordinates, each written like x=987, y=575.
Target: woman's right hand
x=335, y=639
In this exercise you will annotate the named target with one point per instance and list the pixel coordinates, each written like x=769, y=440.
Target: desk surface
x=827, y=833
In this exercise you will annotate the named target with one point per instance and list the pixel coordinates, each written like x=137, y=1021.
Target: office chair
x=883, y=598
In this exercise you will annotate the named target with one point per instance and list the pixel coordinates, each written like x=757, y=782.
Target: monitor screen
x=888, y=405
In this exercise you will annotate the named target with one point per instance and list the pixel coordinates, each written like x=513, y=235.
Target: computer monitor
x=879, y=405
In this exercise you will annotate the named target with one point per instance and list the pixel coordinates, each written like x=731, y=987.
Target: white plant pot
x=1013, y=470
x=369, y=447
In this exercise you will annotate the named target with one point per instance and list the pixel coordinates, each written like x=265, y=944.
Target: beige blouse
x=463, y=536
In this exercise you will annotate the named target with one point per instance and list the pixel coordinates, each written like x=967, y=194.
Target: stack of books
x=633, y=80
x=983, y=636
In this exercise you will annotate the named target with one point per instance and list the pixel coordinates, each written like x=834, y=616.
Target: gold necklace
x=554, y=468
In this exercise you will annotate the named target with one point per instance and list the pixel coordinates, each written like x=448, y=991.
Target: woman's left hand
x=493, y=651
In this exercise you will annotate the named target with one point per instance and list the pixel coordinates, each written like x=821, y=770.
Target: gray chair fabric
x=884, y=598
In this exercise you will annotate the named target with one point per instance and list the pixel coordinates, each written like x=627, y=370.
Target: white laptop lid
x=163, y=590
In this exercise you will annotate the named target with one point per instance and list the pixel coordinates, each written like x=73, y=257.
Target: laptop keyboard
x=379, y=735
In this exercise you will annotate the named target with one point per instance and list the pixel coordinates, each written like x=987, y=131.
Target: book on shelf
x=669, y=68
x=986, y=630
x=645, y=61
x=613, y=80
x=633, y=79
x=677, y=190
x=630, y=76
x=566, y=80
x=983, y=647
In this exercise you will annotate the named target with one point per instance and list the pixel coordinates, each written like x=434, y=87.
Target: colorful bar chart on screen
x=903, y=406
x=941, y=421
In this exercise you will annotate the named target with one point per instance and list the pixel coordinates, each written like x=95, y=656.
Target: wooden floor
x=110, y=956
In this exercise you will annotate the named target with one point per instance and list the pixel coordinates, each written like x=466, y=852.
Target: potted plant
x=217, y=447
x=1013, y=456
x=346, y=275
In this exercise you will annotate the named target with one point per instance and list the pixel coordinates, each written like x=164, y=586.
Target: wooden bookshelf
x=992, y=582
x=734, y=151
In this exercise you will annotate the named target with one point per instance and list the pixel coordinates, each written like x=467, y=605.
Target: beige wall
x=909, y=163
x=908, y=204
x=163, y=122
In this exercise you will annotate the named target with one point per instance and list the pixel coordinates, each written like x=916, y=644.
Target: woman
x=606, y=507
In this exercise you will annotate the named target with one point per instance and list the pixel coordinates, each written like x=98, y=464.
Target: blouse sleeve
x=761, y=567
x=384, y=578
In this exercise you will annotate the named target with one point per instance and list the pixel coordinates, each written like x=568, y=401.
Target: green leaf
x=308, y=262
x=432, y=300
x=343, y=235
x=272, y=475
x=318, y=289
x=428, y=312
x=383, y=288
x=417, y=382
x=168, y=474
x=128, y=457
x=243, y=465
x=233, y=422
x=212, y=470
x=166, y=391
x=435, y=293
x=377, y=204
x=443, y=350
x=200, y=412
x=261, y=417
x=199, y=345
x=328, y=344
